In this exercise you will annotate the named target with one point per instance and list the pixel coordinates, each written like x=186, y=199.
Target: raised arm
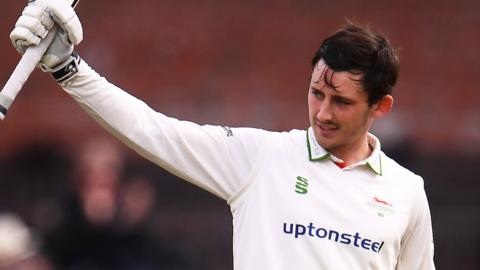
x=218, y=159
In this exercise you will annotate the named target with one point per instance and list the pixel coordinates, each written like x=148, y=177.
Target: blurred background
x=73, y=198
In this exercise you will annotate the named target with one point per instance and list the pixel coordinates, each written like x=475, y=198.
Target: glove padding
x=37, y=19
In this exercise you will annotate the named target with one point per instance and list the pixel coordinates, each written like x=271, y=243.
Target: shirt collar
x=374, y=162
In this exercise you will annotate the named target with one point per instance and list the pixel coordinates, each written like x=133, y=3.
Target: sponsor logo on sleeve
x=228, y=131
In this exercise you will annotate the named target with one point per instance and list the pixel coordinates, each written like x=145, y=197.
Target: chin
x=326, y=144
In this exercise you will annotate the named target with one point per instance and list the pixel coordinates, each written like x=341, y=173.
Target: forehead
x=342, y=81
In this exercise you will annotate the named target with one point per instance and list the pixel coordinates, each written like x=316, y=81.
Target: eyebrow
x=335, y=96
x=314, y=88
x=327, y=83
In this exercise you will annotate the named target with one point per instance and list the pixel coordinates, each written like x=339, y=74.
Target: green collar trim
x=315, y=151
x=377, y=168
x=374, y=161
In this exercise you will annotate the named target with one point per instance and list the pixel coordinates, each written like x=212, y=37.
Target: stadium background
x=246, y=63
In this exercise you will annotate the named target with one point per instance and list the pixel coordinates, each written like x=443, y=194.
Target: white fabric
x=290, y=211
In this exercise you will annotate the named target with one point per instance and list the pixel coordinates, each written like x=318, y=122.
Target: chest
x=322, y=196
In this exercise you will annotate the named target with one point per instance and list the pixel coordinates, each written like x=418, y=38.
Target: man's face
x=340, y=117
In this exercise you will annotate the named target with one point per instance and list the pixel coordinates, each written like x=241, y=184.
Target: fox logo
x=377, y=200
x=381, y=206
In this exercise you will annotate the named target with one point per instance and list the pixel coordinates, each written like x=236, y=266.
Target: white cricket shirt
x=292, y=206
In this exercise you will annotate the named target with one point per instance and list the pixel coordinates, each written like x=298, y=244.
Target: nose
x=324, y=113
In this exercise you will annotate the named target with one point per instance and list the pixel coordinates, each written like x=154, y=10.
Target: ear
x=383, y=106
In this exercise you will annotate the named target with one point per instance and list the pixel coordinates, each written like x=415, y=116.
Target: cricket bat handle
x=22, y=71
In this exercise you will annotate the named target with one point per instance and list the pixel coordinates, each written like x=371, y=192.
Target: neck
x=354, y=153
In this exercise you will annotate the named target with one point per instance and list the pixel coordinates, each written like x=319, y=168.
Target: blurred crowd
x=85, y=213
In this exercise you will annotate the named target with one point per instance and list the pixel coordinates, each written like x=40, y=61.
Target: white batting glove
x=37, y=19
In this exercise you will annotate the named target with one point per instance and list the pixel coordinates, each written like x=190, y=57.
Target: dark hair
x=358, y=50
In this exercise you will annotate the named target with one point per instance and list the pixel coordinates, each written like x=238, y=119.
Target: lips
x=327, y=130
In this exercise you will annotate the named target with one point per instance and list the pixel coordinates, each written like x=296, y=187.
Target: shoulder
x=286, y=138
x=408, y=185
x=396, y=172
x=293, y=134
x=277, y=142
x=264, y=138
